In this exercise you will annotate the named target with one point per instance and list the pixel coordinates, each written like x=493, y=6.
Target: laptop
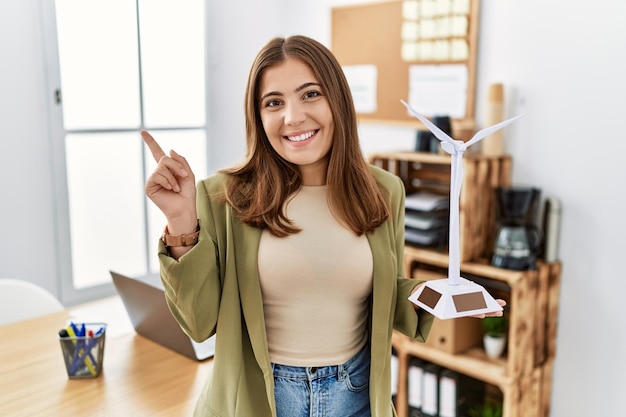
x=144, y=299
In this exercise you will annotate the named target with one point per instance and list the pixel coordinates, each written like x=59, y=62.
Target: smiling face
x=297, y=118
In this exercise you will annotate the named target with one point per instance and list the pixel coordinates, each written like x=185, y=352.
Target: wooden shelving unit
x=524, y=375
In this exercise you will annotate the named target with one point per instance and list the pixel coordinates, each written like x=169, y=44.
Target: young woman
x=294, y=256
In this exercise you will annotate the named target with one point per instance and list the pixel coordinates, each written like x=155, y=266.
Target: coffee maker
x=517, y=239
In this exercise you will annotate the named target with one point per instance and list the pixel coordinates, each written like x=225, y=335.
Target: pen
x=86, y=351
x=80, y=354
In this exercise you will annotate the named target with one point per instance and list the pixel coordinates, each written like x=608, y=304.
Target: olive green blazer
x=214, y=288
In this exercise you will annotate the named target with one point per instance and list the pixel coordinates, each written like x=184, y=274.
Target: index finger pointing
x=155, y=149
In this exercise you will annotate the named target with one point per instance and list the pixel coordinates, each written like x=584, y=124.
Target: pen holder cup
x=83, y=355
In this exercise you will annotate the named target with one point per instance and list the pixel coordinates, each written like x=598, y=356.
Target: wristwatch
x=180, y=240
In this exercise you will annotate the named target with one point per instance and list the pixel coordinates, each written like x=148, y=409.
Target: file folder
x=415, y=386
x=430, y=390
x=458, y=393
x=395, y=366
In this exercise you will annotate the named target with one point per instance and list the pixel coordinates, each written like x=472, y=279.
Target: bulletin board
x=400, y=38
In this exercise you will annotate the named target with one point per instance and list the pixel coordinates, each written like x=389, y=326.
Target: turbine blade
x=439, y=134
x=489, y=130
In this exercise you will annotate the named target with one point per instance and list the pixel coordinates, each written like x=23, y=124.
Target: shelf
x=429, y=157
x=472, y=362
x=415, y=255
x=524, y=375
x=410, y=156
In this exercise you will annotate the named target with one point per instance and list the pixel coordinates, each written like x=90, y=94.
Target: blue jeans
x=328, y=391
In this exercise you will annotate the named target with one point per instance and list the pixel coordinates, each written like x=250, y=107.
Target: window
x=116, y=67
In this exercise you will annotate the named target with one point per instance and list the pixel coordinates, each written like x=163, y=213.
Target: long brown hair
x=262, y=183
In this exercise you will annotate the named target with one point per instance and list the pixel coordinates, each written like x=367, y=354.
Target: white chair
x=21, y=300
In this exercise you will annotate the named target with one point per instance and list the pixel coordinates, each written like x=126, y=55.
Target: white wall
x=562, y=63
x=26, y=175
x=237, y=31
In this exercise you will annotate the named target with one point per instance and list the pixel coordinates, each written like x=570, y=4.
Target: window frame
x=70, y=295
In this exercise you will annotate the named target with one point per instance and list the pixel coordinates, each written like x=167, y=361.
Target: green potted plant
x=495, y=331
x=487, y=409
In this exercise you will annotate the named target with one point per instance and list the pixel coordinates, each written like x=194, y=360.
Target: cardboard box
x=455, y=336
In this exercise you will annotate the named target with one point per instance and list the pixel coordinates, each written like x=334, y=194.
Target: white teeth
x=301, y=137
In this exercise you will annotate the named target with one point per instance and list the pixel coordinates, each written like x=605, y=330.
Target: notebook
x=144, y=299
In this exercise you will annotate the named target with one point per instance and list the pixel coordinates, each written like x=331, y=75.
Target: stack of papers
x=427, y=201
x=426, y=218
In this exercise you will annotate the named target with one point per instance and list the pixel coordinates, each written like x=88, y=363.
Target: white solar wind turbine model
x=455, y=296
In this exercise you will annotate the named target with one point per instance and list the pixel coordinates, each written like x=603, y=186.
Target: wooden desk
x=139, y=377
